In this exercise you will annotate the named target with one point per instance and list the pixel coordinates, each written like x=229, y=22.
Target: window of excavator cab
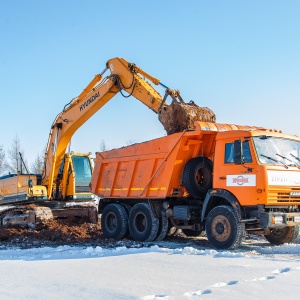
x=82, y=169
x=229, y=153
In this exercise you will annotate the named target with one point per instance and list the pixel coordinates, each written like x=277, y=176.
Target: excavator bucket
x=180, y=116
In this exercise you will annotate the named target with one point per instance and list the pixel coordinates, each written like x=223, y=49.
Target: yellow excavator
x=66, y=175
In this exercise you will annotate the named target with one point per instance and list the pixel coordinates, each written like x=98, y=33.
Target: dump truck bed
x=148, y=170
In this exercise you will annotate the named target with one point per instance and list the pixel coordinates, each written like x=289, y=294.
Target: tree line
x=11, y=161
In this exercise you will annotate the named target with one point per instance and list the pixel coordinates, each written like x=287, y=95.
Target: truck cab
x=258, y=168
x=257, y=173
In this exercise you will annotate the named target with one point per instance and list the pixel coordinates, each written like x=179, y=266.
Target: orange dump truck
x=223, y=179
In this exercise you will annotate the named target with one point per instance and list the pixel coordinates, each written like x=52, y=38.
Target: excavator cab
x=71, y=196
x=74, y=177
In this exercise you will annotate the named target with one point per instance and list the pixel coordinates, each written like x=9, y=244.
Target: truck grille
x=283, y=197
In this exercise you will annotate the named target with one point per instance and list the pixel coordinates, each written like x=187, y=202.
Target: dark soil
x=66, y=232
x=178, y=117
x=52, y=233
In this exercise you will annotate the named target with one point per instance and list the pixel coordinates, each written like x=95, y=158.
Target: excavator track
x=25, y=215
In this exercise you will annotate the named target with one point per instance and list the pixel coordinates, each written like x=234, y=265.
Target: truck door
x=239, y=179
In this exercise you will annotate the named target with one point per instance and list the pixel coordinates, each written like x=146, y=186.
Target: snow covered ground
x=162, y=271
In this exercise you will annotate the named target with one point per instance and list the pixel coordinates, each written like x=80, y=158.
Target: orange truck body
x=261, y=196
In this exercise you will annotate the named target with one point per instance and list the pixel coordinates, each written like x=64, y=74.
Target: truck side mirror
x=238, y=152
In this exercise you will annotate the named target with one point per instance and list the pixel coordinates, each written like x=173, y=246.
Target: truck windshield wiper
x=273, y=159
x=293, y=162
x=291, y=154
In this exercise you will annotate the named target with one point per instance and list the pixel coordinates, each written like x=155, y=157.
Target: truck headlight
x=277, y=219
x=297, y=219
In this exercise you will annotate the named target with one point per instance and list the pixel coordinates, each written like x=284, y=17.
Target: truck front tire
x=143, y=226
x=279, y=236
x=114, y=221
x=223, y=229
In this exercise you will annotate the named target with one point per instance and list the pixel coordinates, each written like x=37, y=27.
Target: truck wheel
x=193, y=233
x=143, y=226
x=279, y=236
x=127, y=207
x=223, y=229
x=114, y=221
x=163, y=228
x=197, y=176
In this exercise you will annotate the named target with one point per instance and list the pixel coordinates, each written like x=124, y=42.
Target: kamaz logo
x=89, y=101
x=294, y=194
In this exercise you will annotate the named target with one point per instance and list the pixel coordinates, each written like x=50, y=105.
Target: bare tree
x=130, y=142
x=2, y=160
x=103, y=146
x=38, y=165
x=14, y=164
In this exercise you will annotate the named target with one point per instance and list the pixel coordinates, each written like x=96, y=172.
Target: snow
x=158, y=271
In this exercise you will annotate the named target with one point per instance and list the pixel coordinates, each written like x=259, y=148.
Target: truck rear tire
x=223, y=230
x=279, y=236
x=163, y=228
x=114, y=221
x=143, y=226
x=197, y=176
x=127, y=208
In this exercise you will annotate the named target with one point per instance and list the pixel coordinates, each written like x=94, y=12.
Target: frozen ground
x=180, y=269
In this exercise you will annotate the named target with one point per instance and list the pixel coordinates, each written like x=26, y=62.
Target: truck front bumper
x=278, y=219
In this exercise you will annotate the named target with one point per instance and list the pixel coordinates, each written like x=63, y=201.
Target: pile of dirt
x=178, y=116
x=53, y=232
x=60, y=232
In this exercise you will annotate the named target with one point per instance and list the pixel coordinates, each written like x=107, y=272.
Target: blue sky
x=239, y=58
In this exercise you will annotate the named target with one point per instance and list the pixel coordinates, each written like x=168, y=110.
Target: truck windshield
x=83, y=171
x=274, y=150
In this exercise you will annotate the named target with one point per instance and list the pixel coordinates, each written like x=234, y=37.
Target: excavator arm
x=125, y=78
